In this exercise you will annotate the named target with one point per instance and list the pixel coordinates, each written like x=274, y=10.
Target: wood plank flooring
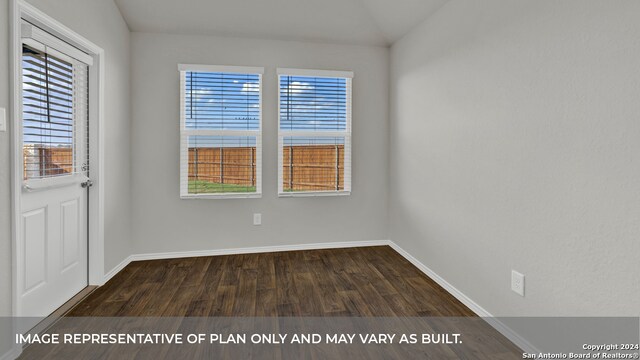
x=353, y=290
x=369, y=281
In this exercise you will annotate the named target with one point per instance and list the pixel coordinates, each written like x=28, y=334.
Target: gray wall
x=108, y=30
x=162, y=222
x=513, y=145
x=515, y=140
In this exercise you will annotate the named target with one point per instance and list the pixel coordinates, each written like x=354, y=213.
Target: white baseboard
x=503, y=329
x=237, y=251
x=479, y=310
x=12, y=354
x=116, y=270
x=260, y=249
x=514, y=337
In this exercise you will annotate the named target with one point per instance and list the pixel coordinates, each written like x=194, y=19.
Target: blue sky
x=227, y=101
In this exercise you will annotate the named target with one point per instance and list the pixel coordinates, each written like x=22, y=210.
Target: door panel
x=35, y=245
x=70, y=233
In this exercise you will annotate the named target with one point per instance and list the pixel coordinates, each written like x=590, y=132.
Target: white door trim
x=20, y=9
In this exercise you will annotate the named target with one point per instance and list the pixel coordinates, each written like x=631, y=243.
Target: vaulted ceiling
x=367, y=22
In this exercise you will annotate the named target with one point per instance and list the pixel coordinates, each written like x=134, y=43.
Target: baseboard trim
x=237, y=251
x=503, y=329
x=513, y=336
x=113, y=272
x=479, y=310
x=256, y=250
x=12, y=354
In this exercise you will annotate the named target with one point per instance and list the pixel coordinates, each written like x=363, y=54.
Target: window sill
x=314, y=193
x=221, y=196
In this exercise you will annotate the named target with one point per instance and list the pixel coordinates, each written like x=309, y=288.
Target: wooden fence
x=313, y=167
x=305, y=168
x=42, y=161
x=223, y=165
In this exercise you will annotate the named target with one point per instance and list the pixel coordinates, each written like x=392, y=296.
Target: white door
x=53, y=239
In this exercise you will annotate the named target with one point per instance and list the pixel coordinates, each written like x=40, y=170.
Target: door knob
x=87, y=184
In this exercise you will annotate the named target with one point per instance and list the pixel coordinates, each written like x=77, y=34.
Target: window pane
x=48, y=110
x=313, y=164
x=313, y=103
x=222, y=101
x=222, y=164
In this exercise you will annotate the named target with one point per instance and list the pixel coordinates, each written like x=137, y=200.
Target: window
x=54, y=107
x=314, y=136
x=220, y=131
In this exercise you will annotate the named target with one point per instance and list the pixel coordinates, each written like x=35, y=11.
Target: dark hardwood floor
x=369, y=281
x=344, y=291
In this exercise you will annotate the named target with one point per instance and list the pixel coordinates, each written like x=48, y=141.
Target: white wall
x=101, y=22
x=162, y=222
x=515, y=140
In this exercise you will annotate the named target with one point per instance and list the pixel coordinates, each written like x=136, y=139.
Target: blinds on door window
x=221, y=123
x=54, y=112
x=314, y=132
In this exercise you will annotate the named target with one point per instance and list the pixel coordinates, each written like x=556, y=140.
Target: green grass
x=205, y=187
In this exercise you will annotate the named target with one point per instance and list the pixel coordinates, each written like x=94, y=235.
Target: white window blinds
x=221, y=126
x=314, y=141
x=54, y=108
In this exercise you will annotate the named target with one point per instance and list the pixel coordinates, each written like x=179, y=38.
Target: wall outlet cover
x=3, y=120
x=257, y=219
x=517, y=282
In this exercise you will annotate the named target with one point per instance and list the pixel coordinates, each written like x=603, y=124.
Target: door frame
x=20, y=9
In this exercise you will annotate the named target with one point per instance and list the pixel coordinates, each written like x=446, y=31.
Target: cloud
x=297, y=87
x=198, y=94
x=250, y=87
x=202, y=91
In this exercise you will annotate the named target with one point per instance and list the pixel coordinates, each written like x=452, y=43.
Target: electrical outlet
x=517, y=282
x=3, y=120
x=257, y=219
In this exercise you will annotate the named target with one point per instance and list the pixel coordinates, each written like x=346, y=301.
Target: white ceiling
x=370, y=22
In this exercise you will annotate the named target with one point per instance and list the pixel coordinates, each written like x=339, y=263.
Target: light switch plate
x=3, y=120
x=257, y=219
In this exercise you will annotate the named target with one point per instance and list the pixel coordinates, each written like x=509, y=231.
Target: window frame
x=346, y=134
x=185, y=133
